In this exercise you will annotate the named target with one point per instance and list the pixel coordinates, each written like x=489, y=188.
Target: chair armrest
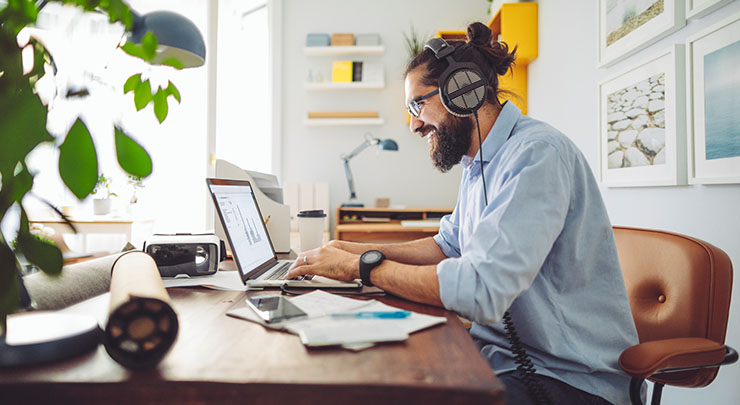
x=645, y=359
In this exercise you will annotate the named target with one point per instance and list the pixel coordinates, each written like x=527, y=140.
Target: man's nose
x=415, y=123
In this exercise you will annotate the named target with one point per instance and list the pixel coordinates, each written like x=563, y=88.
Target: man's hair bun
x=479, y=34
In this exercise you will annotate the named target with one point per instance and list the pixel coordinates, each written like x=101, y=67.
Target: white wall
x=312, y=153
x=563, y=91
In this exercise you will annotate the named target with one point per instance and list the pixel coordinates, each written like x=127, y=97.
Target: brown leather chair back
x=677, y=286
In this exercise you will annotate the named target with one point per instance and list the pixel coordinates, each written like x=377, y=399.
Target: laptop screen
x=242, y=221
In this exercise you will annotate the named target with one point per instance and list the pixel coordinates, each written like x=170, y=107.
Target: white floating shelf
x=325, y=122
x=345, y=86
x=343, y=50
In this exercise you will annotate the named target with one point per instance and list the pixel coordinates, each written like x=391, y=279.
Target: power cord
x=523, y=362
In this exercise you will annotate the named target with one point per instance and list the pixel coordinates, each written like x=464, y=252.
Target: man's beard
x=451, y=142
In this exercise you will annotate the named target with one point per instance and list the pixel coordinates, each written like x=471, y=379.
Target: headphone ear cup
x=463, y=90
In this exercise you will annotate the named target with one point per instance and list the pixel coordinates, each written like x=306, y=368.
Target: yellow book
x=341, y=71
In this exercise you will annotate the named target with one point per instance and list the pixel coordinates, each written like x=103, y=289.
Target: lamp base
x=43, y=337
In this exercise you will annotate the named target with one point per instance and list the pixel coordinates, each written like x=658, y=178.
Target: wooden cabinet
x=387, y=224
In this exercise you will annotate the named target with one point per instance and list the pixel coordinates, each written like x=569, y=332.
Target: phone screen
x=274, y=308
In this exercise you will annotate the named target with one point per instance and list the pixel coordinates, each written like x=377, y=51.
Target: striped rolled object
x=142, y=326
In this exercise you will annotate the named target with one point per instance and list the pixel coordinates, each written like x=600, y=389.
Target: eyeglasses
x=414, y=107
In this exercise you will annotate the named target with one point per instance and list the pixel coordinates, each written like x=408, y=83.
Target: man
x=537, y=247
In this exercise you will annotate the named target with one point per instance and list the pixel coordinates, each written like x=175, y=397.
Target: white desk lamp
x=385, y=144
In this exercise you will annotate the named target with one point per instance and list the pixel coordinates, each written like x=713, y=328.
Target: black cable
x=523, y=362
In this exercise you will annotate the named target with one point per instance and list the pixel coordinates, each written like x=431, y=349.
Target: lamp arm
x=350, y=181
x=360, y=148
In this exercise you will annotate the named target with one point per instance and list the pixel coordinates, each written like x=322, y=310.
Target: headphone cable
x=523, y=362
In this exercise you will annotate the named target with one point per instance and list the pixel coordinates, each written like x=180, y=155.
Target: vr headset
x=186, y=254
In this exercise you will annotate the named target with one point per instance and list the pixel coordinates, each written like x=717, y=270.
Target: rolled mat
x=142, y=326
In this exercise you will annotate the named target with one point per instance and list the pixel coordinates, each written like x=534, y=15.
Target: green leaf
x=160, y=105
x=134, y=50
x=149, y=45
x=172, y=90
x=131, y=156
x=42, y=253
x=22, y=123
x=78, y=161
x=9, y=293
x=142, y=95
x=119, y=11
x=14, y=188
x=132, y=83
x=172, y=61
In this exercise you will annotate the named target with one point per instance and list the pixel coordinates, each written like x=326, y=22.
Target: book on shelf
x=356, y=71
x=339, y=39
x=341, y=71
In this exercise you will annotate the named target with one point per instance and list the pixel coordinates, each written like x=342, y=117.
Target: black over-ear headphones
x=462, y=86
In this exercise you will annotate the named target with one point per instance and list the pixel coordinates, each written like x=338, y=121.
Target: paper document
x=221, y=280
x=321, y=329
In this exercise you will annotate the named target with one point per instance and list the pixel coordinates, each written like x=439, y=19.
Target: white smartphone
x=274, y=308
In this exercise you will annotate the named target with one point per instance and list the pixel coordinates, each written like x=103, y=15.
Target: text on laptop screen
x=244, y=225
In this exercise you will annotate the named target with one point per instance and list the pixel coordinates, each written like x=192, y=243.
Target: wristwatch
x=368, y=261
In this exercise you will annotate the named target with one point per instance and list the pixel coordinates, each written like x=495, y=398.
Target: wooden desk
x=387, y=224
x=218, y=359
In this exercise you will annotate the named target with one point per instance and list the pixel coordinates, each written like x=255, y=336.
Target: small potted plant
x=137, y=183
x=103, y=205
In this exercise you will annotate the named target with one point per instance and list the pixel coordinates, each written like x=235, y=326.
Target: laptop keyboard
x=280, y=273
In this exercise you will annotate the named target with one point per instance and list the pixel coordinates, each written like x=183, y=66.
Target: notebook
x=252, y=249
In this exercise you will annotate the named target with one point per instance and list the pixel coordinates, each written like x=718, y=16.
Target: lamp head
x=176, y=37
x=387, y=144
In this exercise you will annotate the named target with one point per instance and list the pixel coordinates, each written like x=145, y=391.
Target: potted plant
x=415, y=42
x=103, y=204
x=23, y=127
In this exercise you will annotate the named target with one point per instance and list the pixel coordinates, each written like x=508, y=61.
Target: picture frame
x=713, y=85
x=700, y=8
x=642, y=141
x=626, y=26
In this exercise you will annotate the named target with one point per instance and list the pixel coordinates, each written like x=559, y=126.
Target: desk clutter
x=140, y=325
x=352, y=324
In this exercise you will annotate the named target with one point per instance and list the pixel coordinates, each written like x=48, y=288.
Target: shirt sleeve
x=446, y=238
x=531, y=195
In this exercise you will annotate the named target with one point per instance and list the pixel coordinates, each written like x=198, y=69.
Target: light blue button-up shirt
x=544, y=250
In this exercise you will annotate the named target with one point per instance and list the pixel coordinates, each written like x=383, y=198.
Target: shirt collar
x=498, y=135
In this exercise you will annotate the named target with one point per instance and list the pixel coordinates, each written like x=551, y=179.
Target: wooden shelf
x=343, y=50
x=315, y=122
x=384, y=224
x=344, y=86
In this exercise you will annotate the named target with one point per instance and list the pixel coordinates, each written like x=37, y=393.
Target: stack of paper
x=323, y=328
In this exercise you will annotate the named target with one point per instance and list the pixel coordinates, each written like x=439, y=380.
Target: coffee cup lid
x=312, y=214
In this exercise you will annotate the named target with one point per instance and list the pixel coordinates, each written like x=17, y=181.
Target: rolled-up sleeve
x=447, y=238
x=516, y=231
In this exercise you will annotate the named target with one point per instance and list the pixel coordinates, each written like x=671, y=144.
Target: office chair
x=679, y=291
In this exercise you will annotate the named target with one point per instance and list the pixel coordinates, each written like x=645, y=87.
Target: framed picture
x=713, y=82
x=626, y=26
x=700, y=8
x=642, y=141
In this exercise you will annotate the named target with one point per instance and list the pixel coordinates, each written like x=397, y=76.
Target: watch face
x=371, y=256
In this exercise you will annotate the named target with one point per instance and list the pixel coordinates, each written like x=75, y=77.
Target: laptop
x=251, y=246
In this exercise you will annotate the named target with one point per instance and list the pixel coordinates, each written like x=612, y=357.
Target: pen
x=268, y=219
x=374, y=314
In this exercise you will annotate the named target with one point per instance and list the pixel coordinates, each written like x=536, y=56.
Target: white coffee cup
x=311, y=228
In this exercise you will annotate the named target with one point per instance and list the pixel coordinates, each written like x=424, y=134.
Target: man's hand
x=352, y=247
x=327, y=261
